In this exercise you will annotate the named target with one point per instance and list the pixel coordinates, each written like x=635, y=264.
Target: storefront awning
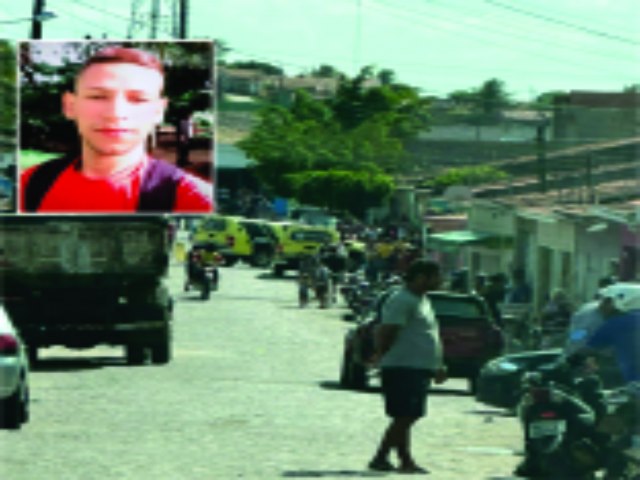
x=459, y=238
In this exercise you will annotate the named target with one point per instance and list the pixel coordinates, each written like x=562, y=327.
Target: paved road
x=251, y=393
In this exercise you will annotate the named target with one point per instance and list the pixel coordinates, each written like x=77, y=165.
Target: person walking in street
x=409, y=353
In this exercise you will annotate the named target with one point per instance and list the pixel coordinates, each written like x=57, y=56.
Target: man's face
x=115, y=106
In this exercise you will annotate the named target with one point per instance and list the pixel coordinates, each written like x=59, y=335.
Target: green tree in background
x=355, y=191
x=361, y=133
x=326, y=71
x=481, y=105
x=7, y=89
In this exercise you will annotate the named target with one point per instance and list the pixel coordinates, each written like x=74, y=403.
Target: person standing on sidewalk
x=409, y=353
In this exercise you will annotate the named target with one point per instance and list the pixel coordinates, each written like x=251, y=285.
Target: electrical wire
x=115, y=15
x=563, y=23
x=85, y=20
x=502, y=28
x=410, y=17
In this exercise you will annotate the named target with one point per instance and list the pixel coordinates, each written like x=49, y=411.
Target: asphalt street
x=251, y=393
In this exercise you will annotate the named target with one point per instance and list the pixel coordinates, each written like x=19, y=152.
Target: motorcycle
x=572, y=429
x=202, y=270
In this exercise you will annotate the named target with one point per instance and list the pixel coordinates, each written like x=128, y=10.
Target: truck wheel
x=32, y=354
x=136, y=354
x=161, y=346
x=473, y=384
x=278, y=271
x=11, y=411
x=161, y=353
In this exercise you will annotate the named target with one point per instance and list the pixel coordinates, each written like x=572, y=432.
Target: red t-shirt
x=75, y=192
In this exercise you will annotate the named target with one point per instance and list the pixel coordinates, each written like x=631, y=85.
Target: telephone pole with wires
x=36, y=18
x=158, y=19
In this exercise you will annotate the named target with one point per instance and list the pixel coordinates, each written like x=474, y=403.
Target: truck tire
x=161, y=351
x=136, y=354
x=11, y=411
x=32, y=354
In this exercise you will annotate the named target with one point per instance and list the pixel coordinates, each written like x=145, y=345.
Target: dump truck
x=83, y=281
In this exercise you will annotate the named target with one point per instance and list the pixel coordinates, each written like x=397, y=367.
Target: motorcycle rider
x=620, y=332
x=612, y=321
x=200, y=257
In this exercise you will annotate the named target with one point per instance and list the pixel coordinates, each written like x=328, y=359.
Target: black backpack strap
x=159, y=186
x=41, y=180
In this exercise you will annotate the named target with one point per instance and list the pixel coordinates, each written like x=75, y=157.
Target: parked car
x=228, y=233
x=469, y=334
x=264, y=241
x=14, y=376
x=499, y=382
x=298, y=241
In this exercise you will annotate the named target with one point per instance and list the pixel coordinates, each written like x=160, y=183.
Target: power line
x=556, y=21
x=426, y=19
x=503, y=29
x=118, y=16
x=85, y=20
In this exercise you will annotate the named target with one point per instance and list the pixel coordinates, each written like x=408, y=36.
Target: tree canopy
x=7, y=89
x=352, y=142
x=263, y=67
x=482, y=104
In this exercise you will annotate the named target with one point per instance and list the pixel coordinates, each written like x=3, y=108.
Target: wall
x=594, y=251
x=503, y=132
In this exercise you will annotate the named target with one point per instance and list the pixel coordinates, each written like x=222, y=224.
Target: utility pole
x=184, y=19
x=36, y=18
x=155, y=18
x=137, y=22
x=541, y=144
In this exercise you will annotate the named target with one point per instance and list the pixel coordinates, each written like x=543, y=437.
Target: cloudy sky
x=438, y=45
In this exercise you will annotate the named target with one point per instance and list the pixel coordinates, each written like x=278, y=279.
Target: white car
x=14, y=376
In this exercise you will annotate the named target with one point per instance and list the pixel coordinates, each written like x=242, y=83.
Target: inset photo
x=116, y=127
x=7, y=127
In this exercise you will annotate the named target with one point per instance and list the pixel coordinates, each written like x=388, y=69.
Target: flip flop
x=414, y=469
x=381, y=466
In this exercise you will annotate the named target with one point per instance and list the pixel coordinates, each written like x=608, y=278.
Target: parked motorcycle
x=572, y=429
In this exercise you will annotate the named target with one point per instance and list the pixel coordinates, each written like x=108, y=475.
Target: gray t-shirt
x=418, y=342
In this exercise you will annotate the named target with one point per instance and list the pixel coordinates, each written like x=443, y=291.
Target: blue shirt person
x=622, y=334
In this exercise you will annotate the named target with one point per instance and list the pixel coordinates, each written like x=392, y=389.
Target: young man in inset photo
x=116, y=103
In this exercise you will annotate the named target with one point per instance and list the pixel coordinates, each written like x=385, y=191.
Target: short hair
x=123, y=55
x=422, y=266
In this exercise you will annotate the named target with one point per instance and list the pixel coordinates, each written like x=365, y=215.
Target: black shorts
x=405, y=391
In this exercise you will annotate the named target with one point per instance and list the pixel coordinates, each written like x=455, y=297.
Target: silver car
x=14, y=376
